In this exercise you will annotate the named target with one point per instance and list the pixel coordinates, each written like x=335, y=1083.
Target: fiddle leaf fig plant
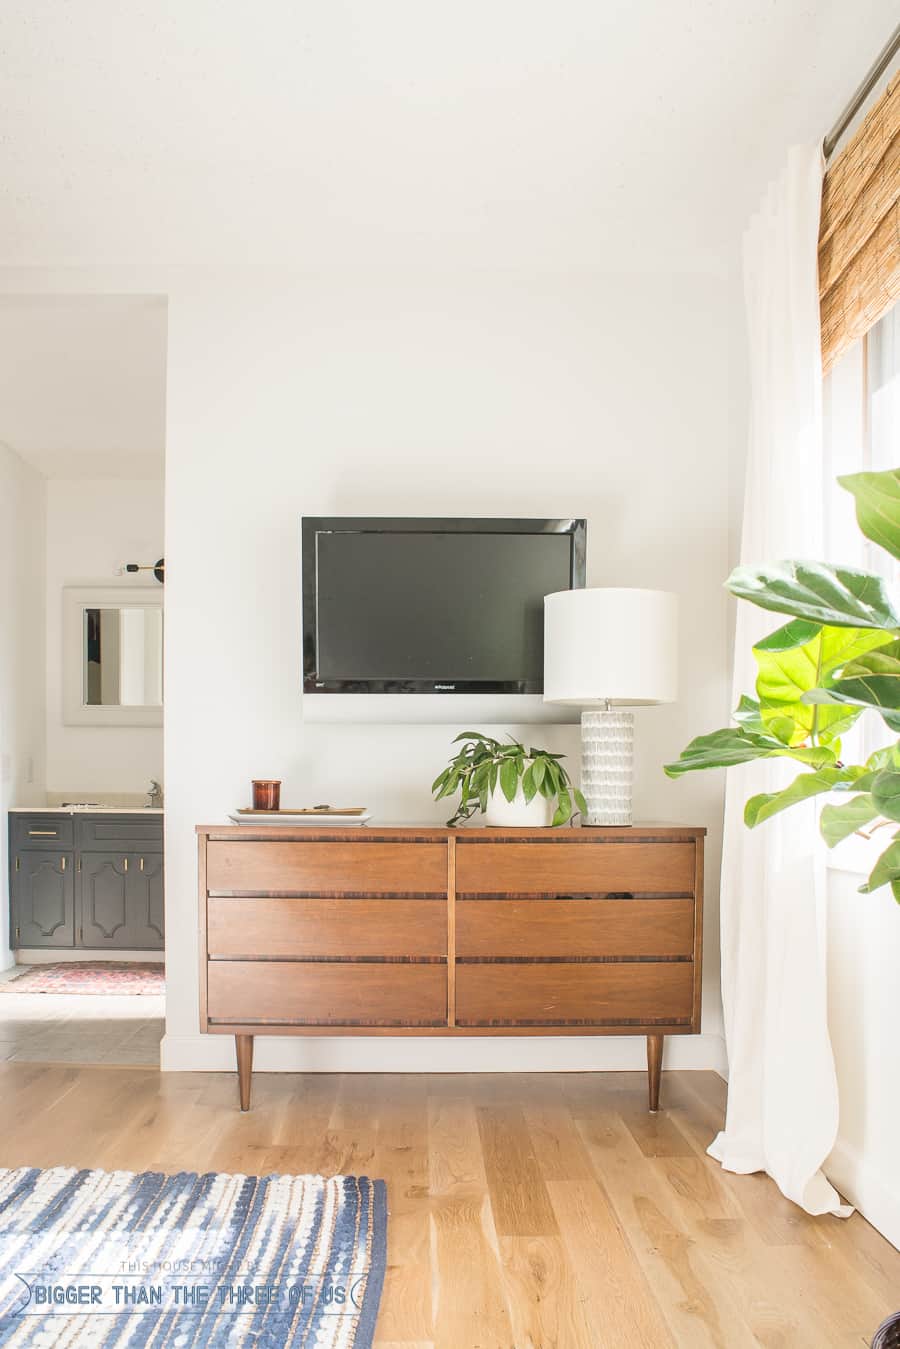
x=483, y=764
x=837, y=657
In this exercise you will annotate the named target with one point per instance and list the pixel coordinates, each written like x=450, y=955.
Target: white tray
x=307, y=821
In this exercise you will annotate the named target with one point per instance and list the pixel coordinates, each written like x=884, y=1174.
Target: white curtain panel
x=782, y=1095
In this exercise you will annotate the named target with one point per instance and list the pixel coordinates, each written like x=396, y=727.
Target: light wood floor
x=534, y=1212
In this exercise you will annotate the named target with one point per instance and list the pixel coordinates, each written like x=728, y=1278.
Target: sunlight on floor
x=80, y=1028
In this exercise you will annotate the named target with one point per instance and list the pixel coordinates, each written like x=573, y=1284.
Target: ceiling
x=481, y=133
x=83, y=384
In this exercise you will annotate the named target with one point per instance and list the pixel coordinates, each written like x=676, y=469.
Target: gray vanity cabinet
x=43, y=899
x=89, y=881
x=121, y=900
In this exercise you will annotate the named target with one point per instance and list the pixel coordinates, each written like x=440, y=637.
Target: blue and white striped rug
x=107, y=1258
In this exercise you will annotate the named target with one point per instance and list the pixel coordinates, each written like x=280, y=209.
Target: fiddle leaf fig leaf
x=796, y=633
x=869, y=680
x=886, y=794
x=889, y=757
x=791, y=662
x=747, y=715
x=766, y=804
x=839, y=822
x=839, y=596
x=726, y=748
x=886, y=870
x=877, y=506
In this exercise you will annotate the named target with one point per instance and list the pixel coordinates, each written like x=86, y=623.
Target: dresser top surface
x=426, y=833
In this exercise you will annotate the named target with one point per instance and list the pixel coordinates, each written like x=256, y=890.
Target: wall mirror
x=112, y=656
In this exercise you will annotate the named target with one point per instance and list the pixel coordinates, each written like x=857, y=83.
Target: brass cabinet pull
x=125, y=863
x=142, y=864
x=62, y=864
x=42, y=833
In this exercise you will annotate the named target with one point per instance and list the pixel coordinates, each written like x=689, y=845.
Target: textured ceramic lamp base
x=607, y=765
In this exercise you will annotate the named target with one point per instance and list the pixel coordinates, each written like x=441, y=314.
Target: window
x=861, y=426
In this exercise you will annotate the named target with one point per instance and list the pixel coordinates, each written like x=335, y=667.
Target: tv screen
x=432, y=606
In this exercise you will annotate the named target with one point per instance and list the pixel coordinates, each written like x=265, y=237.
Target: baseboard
x=477, y=1054
x=866, y=1189
x=70, y=957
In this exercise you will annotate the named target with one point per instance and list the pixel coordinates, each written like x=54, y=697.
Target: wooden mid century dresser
x=450, y=932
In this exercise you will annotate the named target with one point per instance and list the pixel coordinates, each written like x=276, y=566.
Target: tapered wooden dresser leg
x=654, y=1067
x=244, y=1046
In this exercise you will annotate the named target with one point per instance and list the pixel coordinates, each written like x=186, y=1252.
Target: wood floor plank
x=697, y=1310
x=519, y=1196
x=455, y=1159
x=697, y=1183
x=468, y=1292
x=547, y=1307
x=557, y=1144
x=401, y=1160
x=616, y=1296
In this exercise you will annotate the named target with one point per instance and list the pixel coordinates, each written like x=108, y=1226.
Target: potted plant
x=837, y=657
x=509, y=784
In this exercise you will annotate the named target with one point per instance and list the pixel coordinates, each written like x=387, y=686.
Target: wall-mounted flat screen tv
x=431, y=606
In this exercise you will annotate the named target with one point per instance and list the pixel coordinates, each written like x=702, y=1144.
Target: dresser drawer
x=574, y=868
x=318, y=993
x=327, y=927
x=575, y=927
x=360, y=868
x=42, y=831
x=634, y=993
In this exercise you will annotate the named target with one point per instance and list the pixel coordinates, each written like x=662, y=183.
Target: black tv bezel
x=313, y=525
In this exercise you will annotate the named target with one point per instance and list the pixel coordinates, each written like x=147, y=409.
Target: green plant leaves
x=735, y=745
x=766, y=804
x=886, y=794
x=886, y=870
x=839, y=655
x=483, y=764
x=871, y=680
x=877, y=506
x=838, y=822
x=838, y=596
x=797, y=658
x=509, y=779
x=563, y=812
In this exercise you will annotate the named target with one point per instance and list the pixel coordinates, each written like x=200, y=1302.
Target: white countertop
x=85, y=810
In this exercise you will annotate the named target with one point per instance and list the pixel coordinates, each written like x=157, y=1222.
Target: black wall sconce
x=158, y=568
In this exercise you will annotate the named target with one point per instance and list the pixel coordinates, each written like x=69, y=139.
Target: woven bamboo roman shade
x=859, y=230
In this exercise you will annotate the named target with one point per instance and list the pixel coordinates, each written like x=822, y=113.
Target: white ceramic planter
x=519, y=813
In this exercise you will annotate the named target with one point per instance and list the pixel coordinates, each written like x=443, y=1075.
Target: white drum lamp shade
x=607, y=649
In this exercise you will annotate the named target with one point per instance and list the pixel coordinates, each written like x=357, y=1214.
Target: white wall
x=93, y=527
x=606, y=396
x=22, y=519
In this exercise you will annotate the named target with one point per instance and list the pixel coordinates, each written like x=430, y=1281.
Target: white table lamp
x=605, y=650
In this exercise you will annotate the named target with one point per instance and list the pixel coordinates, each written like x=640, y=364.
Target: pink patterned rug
x=89, y=976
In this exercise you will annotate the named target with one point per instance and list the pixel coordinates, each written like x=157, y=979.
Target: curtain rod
x=882, y=61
